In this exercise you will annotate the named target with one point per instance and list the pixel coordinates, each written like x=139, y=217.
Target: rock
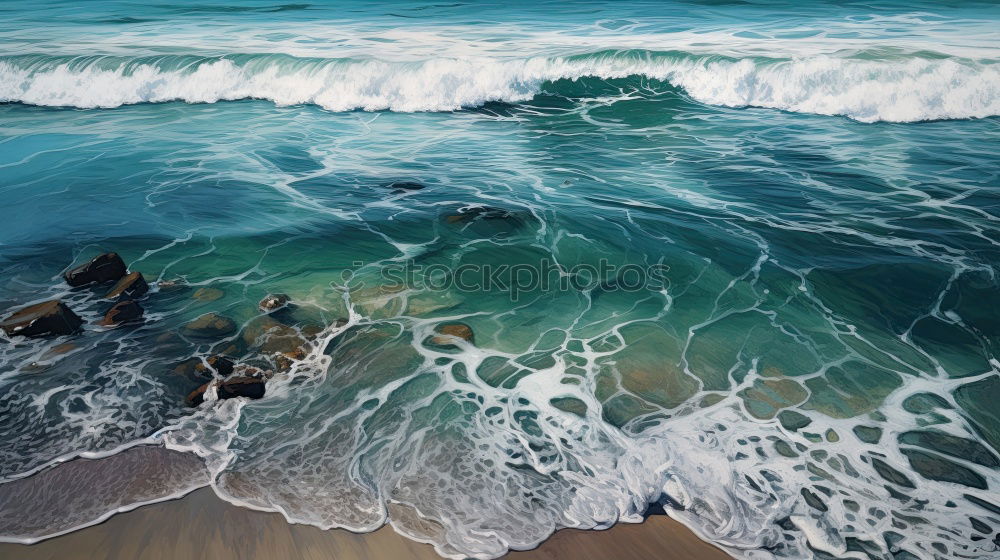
x=891, y=474
x=472, y=213
x=273, y=302
x=215, y=363
x=285, y=360
x=102, y=269
x=210, y=325
x=448, y=332
x=405, y=186
x=792, y=420
x=813, y=500
x=270, y=337
x=952, y=445
x=50, y=317
x=250, y=387
x=207, y=294
x=131, y=286
x=868, y=434
x=60, y=350
x=122, y=312
x=169, y=284
x=934, y=467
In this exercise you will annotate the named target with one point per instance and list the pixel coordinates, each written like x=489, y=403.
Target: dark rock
x=210, y=325
x=250, y=387
x=933, y=467
x=207, y=294
x=792, y=420
x=951, y=445
x=474, y=213
x=271, y=337
x=983, y=503
x=868, y=434
x=922, y=403
x=448, y=332
x=285, y=360
x=131, y=286
x=405, y=186
x=980, y=526
x=813, y=500
x=570, y=404
x=785, y=450
x=273, y=302
x=891, y=474
x=121, y=313
x=103, y=268
x=50, y=317
x=221, y=365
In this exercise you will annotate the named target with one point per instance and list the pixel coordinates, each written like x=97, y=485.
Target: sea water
x=736, y=258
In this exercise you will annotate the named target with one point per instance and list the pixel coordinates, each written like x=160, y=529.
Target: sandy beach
x=200, y=525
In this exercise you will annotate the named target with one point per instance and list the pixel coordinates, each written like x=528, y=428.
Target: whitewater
x=902, y=89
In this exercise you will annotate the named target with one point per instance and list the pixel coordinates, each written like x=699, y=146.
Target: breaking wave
x=866, y=87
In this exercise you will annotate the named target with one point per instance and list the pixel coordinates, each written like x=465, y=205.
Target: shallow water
x=770, y=259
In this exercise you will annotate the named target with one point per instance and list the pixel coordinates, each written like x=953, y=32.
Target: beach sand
x=200, y=525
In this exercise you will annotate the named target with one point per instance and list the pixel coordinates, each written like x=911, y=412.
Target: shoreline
x=201, y=525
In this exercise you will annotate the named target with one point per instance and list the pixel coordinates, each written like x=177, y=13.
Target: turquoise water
x=770, y=235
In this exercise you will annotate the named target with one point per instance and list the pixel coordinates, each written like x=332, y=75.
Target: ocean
x=548, y=264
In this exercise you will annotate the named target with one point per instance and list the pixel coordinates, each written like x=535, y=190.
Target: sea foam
x=897, y=89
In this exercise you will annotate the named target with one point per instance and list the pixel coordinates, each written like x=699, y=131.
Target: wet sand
x=201, y=525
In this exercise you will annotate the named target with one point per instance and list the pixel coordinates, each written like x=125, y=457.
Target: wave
x=867, y=88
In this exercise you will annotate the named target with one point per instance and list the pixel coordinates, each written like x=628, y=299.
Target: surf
x=912, y=88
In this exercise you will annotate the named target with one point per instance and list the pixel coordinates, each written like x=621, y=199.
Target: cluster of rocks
x=53, y=317
x=280, y=343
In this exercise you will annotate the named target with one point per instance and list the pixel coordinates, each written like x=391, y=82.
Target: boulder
x=250, y=387
x=101, y=269
x=122, y=312
x=207, y=294
x=215, y=363
x=273, y=302
x=131, y=286
x=210, y=325
x=47, y=318
x=285, y=360
x=269, y=336
x=448, y=332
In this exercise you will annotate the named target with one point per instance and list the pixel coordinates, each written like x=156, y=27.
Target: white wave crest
x=899, y=90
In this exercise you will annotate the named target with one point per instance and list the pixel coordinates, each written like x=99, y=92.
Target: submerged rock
x=448, y=332
x=285, y=360
x=473, y=213
x=272, y=337
x=273, y=302
x=122, y=312
x=47, y=318
x=210, y=325
x=249, y=387
x=792, y=420
x=207, y=294
x=951, y=445
x=221, y=365
x=131, y=286
x=405, y=186
x=101, y=269
x=868, y=434
x=938, y=468
x=891, y=474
